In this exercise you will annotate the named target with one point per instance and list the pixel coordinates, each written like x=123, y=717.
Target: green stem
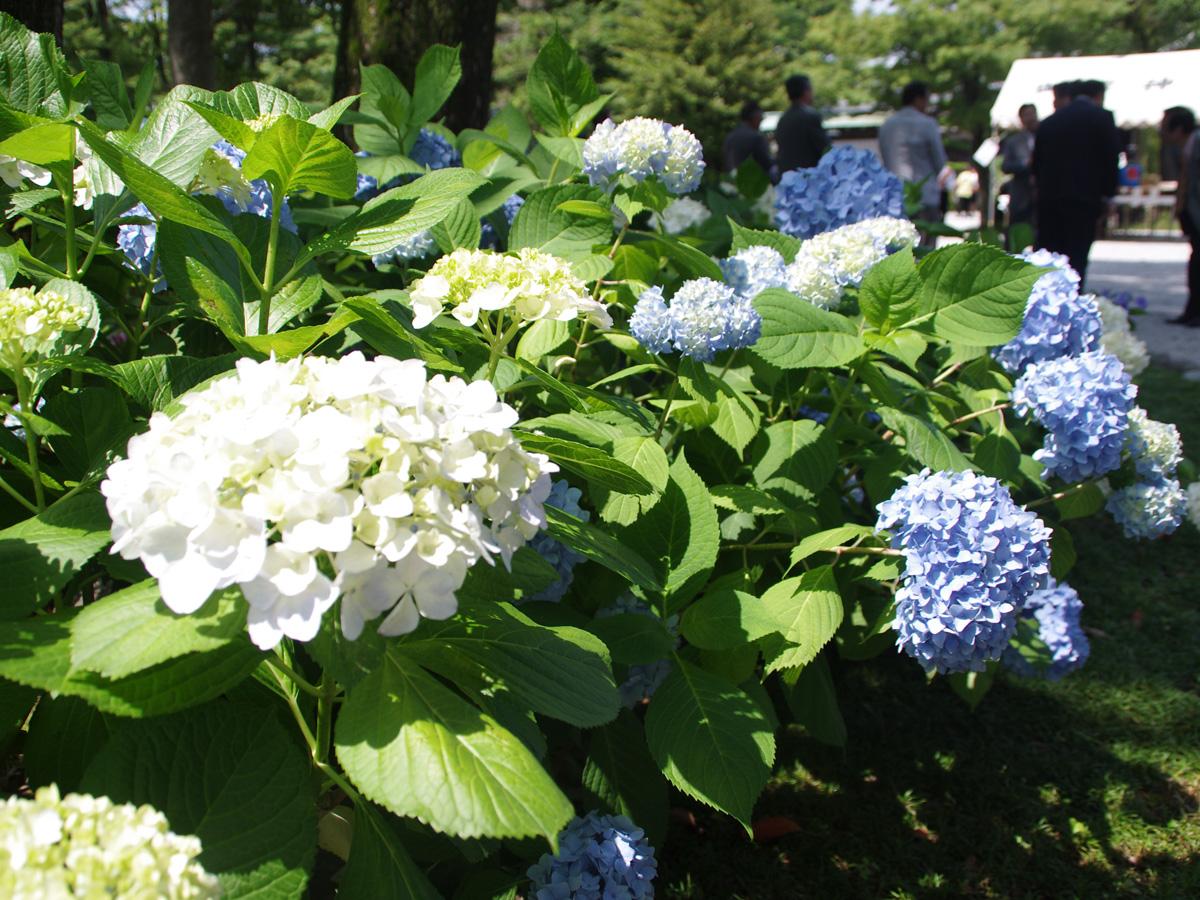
x=69, y=217
x=25, y=399
x=1067, y=492
x=979, y=412
x=840, y=398
x=16, y=495
x=499, y=343
x=662, y=420
x=297, y=713
x=325, y=718
x=840, y=551
x=553, y=171
x=282, y=668
x=264, y=306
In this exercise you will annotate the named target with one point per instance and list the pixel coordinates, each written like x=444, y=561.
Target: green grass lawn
x=1085, y=788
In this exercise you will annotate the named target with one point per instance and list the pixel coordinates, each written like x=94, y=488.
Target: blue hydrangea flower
x=1058, y=320
x=1083, y=402
x=753, y=270
x=640, y=148
x=1056, y=608
x=1148, y=509
x=643, y=679
x=415, y=246
x=599, y=858
x=972, y=558
x=1155, y=447
x=137, y=241
x=433, y=151
x=848, y=185
x=256, y=199
x=563, y=558
x=704, y=317
x=488, y=238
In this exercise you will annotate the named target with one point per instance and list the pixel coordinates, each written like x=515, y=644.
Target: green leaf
x=744, y=499
x=328, y=118
x=296, y=156
x=460, y=228
x=438, y=72
x=541, y=338
x=30, y=69
x=744, y=238
x=690, y=262
x=133, y=630
x=602, y=548
x=65, y=734
x=725, y=619
x=998, y=455
x=622, y=778
x=385, y=100
x=595, y=465
x=797, y=457
x=560, y=88
x=738, y=419
x=925, y=442
x=386, y=326
x=416, y=748
x=106, y=88
x=204, y=770
x=632, y=638
x=1062, y=553
x=796, y=334
x=812, y=699
x=37, y=652
x=379, y=866
x=96, y=423
x=40, y=555
x=711, y=740
x=826, y=540
x=977, y=293
x=972, y=687
x=156, y=381
x=560, y=672
x=254, y=100
x=43, y=145
x=434, y=196
x=542, y=223
x=889, y=289
x=906, y=345
x=646, y=457
x=1080, y=503
x=809, y=609
x=682, y=530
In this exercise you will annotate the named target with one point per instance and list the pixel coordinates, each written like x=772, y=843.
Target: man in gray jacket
x=910, y=143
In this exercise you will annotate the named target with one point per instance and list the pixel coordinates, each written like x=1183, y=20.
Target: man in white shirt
x=910, y=143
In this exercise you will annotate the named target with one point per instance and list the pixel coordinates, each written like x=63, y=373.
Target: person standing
x=800, y=135
x=1074, y=172
x=1179, y=130
x=910, y=143
x=746, y=141
x=1017, y=161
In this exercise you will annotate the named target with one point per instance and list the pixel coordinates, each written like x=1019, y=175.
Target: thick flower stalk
x=303, y=481
x=1148, y=509
x=1058, y=320
x=703, y=318
x=1056, y=609
x=640, y=148
x=83, y=846
x=564, y=560
x=830, y=262
x=32, y=323
x=599, y=858
x=1118, y=339
x=848, y=185
x=1083, y=402
x=529, y=286
x=972, y=559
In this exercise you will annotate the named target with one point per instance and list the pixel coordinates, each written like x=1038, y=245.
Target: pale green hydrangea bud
x=30, y=323
x=84, y=846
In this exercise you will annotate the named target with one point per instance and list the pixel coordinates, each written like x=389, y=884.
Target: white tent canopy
x=1140, y=85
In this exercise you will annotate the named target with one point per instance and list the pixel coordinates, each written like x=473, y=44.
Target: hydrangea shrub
x=393, y=487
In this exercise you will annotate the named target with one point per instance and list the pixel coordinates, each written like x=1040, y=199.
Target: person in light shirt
x=910, y=143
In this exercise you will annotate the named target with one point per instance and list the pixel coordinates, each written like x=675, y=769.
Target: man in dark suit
x=800, y=135
x=747, y=142
x=1075, y=172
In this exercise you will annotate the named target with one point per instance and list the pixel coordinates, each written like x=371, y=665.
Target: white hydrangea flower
x=30, y=323
x=1156, y=447
x=645, y=146
x=684, y=213
x=809, y=280
x=84, y=846
x=529, y=286
x=841, y=258
x=85, y=191
x=305, y=480
x=13, y=171
x=1117, y=337
x=642, y=147
x=1193, y=502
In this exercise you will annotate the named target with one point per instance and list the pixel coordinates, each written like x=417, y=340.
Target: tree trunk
x=396, y=33
x=37, y=15
x=189, y=41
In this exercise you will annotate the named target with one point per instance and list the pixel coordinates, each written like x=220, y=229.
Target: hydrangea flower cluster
x=1083, y=402
x=1148, y=509
x=84, y=846
x=566, y=498
x=31, y=323
x=599, y=858
x=641, y=679
x=1156, y=447
x=1058, y=320
x=683, y=213
x=530, y=285
x=972, y=559
x=831, y=262
x=704, y=317
x=1117, y=337
x=136, y=241
x=14, y=171
x=754, y=269
x=433, y=151
x=640, y=148
x=848, y=185
x=1056, y=608
x=304, y=480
